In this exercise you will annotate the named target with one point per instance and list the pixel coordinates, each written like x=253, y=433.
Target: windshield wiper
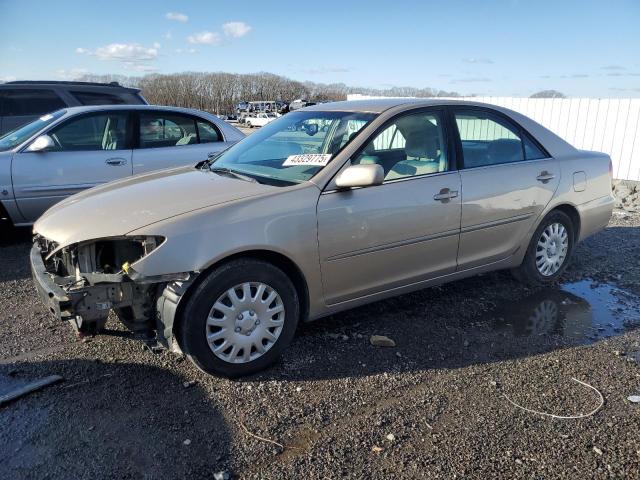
x=232, y=173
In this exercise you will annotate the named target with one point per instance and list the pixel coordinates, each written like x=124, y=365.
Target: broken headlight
x=116, y=254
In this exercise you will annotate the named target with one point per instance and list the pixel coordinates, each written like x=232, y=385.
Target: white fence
x=609, y=125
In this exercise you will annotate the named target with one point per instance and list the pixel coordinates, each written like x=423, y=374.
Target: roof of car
x=93, y=108
x=378, y=105
x=63, y=83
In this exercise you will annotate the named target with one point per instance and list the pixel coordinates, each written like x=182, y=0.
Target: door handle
x=545, y=176
x=445, y=195
x=114, y=162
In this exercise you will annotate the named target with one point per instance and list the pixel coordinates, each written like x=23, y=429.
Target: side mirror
x=41, y=144
x=365, y=175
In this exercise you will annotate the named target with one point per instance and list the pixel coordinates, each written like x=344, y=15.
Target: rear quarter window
x=106, y=98
x=30, y=102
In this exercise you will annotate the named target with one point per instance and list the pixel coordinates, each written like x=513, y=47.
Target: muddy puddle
x=582, y=312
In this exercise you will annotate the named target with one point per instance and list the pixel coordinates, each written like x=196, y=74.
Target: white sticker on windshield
x=319, y=159
x=46, y=117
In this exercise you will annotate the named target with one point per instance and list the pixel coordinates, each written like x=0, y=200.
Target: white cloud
x=477, y=60
x=208, y=38
x=139, y=67
x=131, y=52
x=72, y=74
x=7, y=78
x=236, y=29
x=168, y=35
x=325, y=69
x=177, y=17
x=133, y=56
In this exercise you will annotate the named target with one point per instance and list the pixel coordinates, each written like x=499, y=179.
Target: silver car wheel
x=552, y=249
x=245, y=322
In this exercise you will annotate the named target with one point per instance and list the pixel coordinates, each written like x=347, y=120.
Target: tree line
x=219, y=92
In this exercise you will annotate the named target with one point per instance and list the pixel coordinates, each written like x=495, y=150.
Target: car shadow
x=14, y=253
x=480, y=320
x=120, y=420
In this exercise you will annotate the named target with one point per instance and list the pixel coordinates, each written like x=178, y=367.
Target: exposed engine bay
x=97, y=276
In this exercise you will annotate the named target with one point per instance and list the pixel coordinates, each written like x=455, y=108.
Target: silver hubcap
x=552, y=249
x=245, y=322
x=543, y=318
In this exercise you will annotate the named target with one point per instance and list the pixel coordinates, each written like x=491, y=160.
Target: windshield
x=294, y=147
x=15, y=137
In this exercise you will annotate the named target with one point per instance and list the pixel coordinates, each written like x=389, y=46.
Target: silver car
x=70, y=150
x=324, y=209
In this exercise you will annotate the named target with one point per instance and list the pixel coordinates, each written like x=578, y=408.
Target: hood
x=120, y=207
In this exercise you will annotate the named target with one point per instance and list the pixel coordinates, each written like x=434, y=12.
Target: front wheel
x=240, y=318
x=249, y=125
x=549, y=251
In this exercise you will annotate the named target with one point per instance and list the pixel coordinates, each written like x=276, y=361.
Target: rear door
x=169, y=139
x=23, y=105
x=90, y=149
x=507, y=181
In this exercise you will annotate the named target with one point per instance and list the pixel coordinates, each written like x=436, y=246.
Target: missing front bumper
x=68, y=299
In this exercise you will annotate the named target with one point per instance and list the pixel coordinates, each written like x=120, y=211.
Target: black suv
x=24, y=101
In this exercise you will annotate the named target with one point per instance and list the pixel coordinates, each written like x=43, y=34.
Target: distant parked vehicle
x=24, y=101
x=71, y=150
x=260, y=119
x=297, y=104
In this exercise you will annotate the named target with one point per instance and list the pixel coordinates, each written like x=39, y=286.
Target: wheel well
x=4, y=215
x=277, y=259
x=573, y=214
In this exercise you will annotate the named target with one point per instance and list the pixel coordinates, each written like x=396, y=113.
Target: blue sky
x=493, y=47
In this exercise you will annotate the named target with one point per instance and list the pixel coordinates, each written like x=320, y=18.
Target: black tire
x=193, y=319
x=528, y=272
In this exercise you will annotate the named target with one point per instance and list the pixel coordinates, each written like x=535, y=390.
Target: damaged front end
x=83, y=282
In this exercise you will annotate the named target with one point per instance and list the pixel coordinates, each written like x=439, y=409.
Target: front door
x=89, y=150
x=507, y=181
x=398, y=233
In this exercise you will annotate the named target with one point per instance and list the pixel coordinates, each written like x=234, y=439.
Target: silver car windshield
x=15, y=137
x=295, y=147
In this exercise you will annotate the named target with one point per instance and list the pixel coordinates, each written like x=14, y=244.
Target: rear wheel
x=549, y=251
x=240, y=318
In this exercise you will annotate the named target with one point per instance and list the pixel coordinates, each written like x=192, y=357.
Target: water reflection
x=581, y=312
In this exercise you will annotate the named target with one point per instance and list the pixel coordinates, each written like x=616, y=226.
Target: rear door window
x=30, y=102
x=487, y=139
x=98, y=98
x=160, y=129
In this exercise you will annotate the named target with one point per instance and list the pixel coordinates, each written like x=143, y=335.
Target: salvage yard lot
x=430, y=407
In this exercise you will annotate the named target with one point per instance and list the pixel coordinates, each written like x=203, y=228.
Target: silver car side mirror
x=360, y=176
x=41, y=144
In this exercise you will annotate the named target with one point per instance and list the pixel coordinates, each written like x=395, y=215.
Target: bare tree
x=548, y=94
x=220, y=92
